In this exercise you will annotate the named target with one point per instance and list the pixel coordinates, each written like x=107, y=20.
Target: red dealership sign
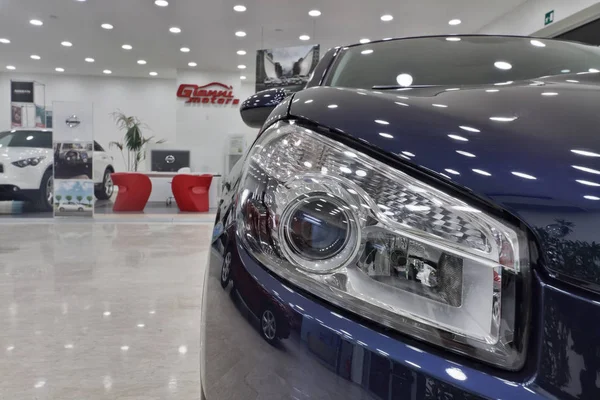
x=213, y=93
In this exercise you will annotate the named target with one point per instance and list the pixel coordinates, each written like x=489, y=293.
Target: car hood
x=10, y=154
x=520, y=133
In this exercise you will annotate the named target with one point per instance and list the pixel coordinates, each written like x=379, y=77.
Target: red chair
x=134, y=191
x=191, y=192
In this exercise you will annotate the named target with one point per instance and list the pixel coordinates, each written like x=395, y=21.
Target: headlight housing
x=382, y=244
x=33, y=161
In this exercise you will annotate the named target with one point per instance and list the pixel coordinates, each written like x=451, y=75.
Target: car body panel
x=27, y=178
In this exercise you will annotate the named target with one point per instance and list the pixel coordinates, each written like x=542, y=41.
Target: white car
x=70, y=206
x=26, y=162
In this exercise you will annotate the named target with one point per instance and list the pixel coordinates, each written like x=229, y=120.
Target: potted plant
x=133, y=146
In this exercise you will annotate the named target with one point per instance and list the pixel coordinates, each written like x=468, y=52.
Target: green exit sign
x=549, y=18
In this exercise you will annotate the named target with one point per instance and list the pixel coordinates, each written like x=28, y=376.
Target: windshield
x=459, y=60
x=26, y=139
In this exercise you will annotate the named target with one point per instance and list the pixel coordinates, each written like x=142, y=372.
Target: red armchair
x=134, y=191
x=191, y=192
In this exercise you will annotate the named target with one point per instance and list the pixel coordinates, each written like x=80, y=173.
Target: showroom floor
x=93, y=310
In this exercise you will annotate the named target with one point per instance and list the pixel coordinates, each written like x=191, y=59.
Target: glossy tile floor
x=93, y=310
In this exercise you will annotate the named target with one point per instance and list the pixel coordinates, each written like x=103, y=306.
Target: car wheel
x=45, y=197
x=80, y=209
x=61, y=209
x=268, y=325
x=107, y=189
x=226, y=270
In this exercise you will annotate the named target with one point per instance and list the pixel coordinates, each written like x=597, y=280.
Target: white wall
x=528, y=18
x=202, y=129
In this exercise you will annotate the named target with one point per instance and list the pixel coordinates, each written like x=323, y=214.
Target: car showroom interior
x=318, y=199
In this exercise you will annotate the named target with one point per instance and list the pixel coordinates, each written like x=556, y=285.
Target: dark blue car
x=421, y=222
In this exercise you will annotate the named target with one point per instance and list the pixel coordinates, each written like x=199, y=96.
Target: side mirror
x=257, y=108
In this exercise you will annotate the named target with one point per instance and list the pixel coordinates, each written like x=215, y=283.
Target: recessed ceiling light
x=239, y=8
x=161, y=3
x=142, y=62
x=153, y=73
x=453, y=39
x=314, y=13
x=66, y=44
x=107, y=72
x=240, y=34
x=127, y=47
x=4, y=41
x=241, y=52
x=454, y=22
x=192, y=64
x=387, y=18
x=243, y=77
x=503, y=65
x=90, y=60
x=59, y=69
x=35, y=57
x=175, y=29
x=107, y=26
x=36, y=22
x=365, y=40
x=304, y=37
x=241, y=66
x=11, y=67
x=185, y=49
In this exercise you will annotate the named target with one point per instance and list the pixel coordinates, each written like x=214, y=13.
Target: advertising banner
x=73, y=159
x=21, y=92
x=16, y=116
x=288, y=67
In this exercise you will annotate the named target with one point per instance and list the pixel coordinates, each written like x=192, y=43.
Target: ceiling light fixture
x=161, y=3
x=35, y=57
x=365, y=40
x=240, y=34
x=36, y=22
x=314, y=13
x=90, y=60
x=67, y=44
x=153, y=73
x=243, y=77
x=11, y=67
x=387, y=17
x=241, y=66
x=59, y=69
x=107, y=26
x=127, y=47
x=107, y=72
x=404, y=80
x=454, y=22
x=175, y=29
x=239, y=8
x=304, y=37
x=241, y=52
x=4, y=41
x=503, y=65
x=185, y=49
x=192, y=64
x=142, y=62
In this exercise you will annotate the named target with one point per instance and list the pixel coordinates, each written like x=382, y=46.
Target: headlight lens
x=382, y=244
x=28, y=161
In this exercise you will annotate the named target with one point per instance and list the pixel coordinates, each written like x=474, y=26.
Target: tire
x=61, y=209
x=107, y=189
x=80, y=209
x=269, y=325
x=226, y=270
x=45, y=196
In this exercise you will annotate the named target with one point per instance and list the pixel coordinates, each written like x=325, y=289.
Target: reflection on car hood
x=19, y=153
x=531, y=147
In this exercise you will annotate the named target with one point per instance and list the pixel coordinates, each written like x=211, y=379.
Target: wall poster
x=288, y=67
x=73, y=159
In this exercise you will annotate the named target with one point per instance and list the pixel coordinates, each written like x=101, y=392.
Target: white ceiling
x=208, y=29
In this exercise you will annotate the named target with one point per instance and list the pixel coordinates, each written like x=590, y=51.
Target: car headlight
x=28, y=161
x=384, y=245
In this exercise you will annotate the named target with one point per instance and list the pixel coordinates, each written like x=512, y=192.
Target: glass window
x=39, y=139
x=459, y=60
x=97, y=146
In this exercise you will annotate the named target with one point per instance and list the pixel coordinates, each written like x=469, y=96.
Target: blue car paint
x=564, y=349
